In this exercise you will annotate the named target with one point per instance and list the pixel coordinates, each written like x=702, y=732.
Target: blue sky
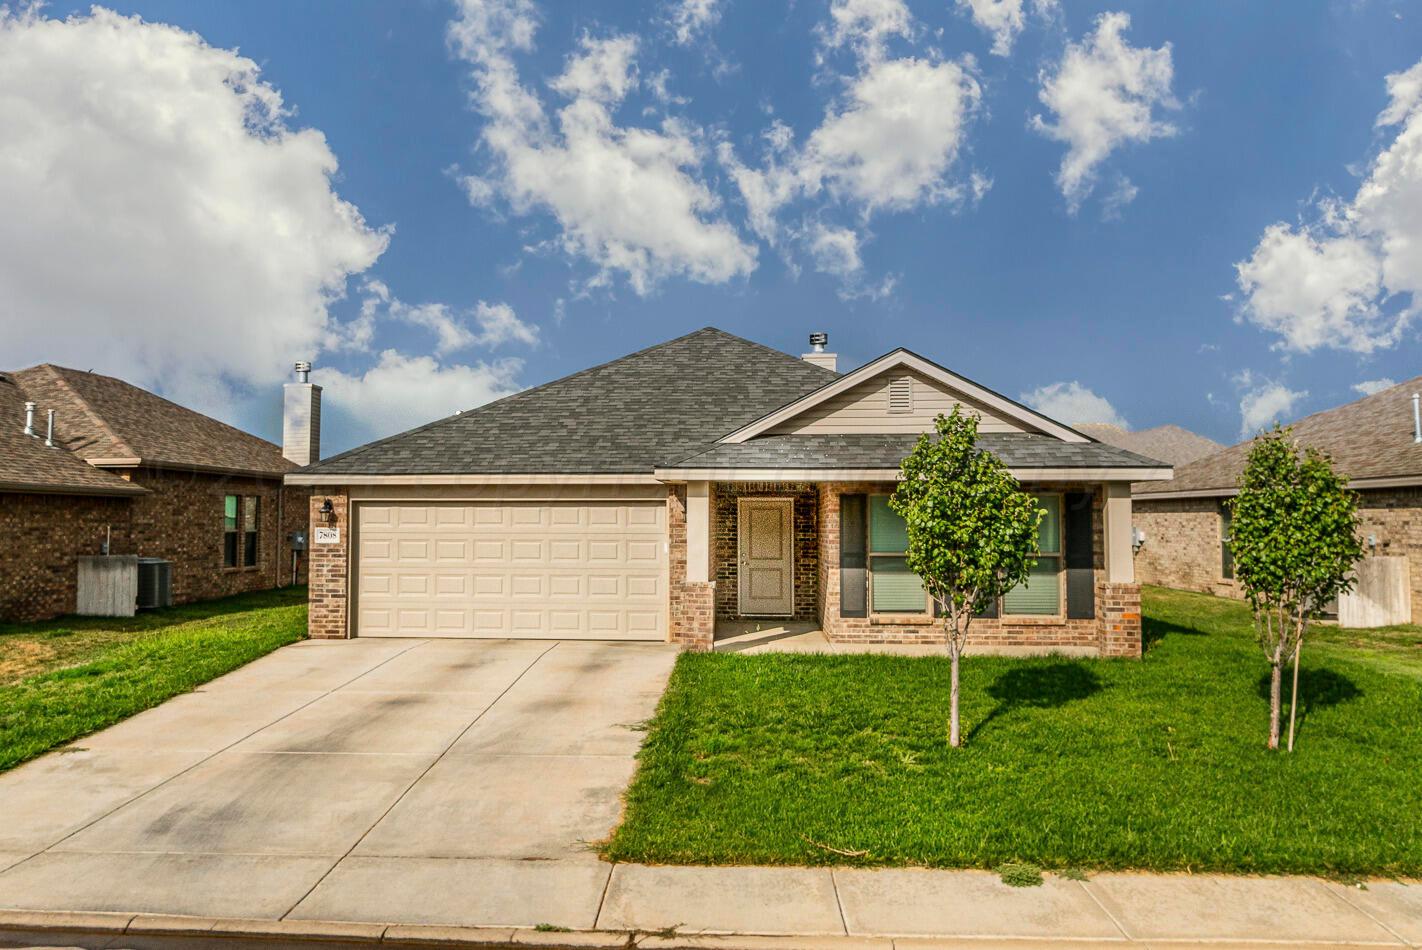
x=1255, y=114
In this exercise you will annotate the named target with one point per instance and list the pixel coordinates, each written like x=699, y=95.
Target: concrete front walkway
x=371, y=790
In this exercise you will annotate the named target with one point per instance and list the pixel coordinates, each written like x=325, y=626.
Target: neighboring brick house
x=1372, y=440
x=132, y=473
x=706, y=480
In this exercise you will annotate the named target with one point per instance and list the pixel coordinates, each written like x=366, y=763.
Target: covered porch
x=815, y=564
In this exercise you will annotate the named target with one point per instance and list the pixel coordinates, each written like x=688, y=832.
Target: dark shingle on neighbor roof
x=653, y=407
x=1371, y=437
x=1169, y=443
x=28, y=465
x=1016, y=449
x=101, y=417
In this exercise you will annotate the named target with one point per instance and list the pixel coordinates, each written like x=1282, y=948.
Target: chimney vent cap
x=818, y=339
x=303, y=370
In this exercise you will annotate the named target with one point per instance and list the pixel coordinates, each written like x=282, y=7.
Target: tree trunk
x=955, y=737
x=1294, y=699
x=1276, y=689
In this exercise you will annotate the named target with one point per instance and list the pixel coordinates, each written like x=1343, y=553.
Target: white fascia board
x=1357, y=484
x=892, y=474
x=531, y=479
x=903, y=358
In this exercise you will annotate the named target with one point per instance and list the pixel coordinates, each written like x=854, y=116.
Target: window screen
x=230, y=506
x=1041, y=594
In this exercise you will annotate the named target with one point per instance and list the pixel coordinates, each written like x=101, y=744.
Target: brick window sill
x=249, y=569
x=901, y=620
x=1034, y=620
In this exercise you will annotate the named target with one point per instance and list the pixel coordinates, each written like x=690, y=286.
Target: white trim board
x=903, y=358
x=892, y=474
x=529, y=479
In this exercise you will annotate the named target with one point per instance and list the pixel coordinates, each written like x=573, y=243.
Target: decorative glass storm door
x=767, y=570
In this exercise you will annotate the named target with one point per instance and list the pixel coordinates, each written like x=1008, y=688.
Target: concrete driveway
x=394, y=780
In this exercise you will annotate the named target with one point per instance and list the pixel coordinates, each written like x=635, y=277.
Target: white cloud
x=867, y=25
x=493, y=325
x=627, y=199
x=1073, y=404
x=835, y=250
x=401, y=391
x=1104, y=94
x=1123, y=194
x=1003, y=20
x=1264, y=404
x=1369, y=387
x=162, y=219
x=1350, y=279
x=692, y=18
x=891, y=143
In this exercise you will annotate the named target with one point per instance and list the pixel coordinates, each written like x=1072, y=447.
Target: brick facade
x=1115, y=631
x=691, y=605
x=1182, y=548
x=725, y=544
x=180, y=521
x=329, y=585
x=40, y=538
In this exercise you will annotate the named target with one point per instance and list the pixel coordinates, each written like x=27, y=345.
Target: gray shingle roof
x=28, y=465
x=100, y=417
x=1017, y=449
x=1170, y=443
x=653, y=407
x=1367, y=438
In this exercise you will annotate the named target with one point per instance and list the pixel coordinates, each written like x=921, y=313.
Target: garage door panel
x=575, y=570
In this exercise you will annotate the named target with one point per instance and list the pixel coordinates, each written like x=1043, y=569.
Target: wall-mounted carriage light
x=328, y=511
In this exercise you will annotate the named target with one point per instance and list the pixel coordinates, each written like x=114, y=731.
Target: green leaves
x=1294, y=529
x=972, y=530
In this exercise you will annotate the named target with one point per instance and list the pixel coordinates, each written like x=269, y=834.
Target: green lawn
x=66, y=678
x=1158, y=763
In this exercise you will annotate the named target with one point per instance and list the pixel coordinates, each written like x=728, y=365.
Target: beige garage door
x=582, y=570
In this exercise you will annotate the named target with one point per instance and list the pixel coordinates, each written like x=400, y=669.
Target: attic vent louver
x=901, y=394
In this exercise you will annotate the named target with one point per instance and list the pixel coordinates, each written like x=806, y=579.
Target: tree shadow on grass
x=1039, y=687
x=1153, y=631
x=1318, y=689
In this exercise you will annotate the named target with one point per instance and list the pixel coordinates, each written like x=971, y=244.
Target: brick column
x=1120, y=619
x=691, y=605
x=328, y=567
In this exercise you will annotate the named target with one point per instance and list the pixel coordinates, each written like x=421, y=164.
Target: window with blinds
x=893, y=588
x=1041, y=593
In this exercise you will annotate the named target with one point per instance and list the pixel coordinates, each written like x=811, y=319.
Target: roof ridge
x=503, y=400
x=88, y=410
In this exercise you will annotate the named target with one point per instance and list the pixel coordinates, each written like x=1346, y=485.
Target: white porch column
x=698, y=531
x=1120, y=559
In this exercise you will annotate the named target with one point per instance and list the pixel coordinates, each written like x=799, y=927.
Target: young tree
x=971, y=530
x=1294, y=536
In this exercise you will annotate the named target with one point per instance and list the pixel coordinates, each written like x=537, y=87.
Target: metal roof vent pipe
x=29, y=418
x=1417, y=417
x=817, y=354
x=49, y=433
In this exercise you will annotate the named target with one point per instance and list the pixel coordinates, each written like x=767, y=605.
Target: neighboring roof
x=1369, y=440
x=895, y=359
x=28, y=465
x=1018, y=450
x=656, y=406
x=1169, y=443
x=108, y=422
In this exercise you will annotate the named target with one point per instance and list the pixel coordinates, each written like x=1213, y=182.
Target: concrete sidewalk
x=373, y=790
x=748, y=908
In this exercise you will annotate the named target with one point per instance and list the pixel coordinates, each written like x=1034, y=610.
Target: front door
x=767, y=564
